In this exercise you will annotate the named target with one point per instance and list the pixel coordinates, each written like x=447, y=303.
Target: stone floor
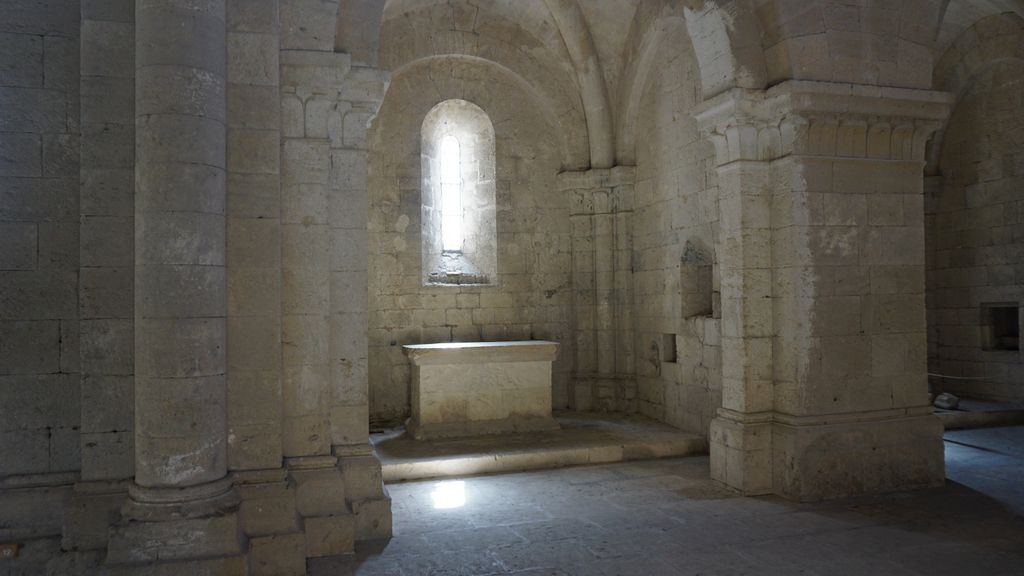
x=584, y=438
x=665, y=517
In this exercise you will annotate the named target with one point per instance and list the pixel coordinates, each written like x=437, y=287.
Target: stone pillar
x=326, y=107
x=253, y=235
x=740, y=436
x=601, y=211
x=743, y=428
x=821, y=256
x=310, y=82
x=180, y=486
x=348, y=122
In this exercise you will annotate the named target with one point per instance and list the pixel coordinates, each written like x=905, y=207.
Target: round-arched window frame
x=458, y=196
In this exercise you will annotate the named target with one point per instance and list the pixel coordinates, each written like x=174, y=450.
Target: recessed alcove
x=1000, y=325
x=459, y=227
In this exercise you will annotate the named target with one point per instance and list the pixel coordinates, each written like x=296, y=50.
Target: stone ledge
x=477, y=352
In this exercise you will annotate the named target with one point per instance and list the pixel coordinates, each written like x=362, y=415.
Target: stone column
x=348, y=122
x=310, y=82
x=326, y=106
x=741, y=435
x=253, y=235
x=821, y=256
x=180, y=483
x=601, y=210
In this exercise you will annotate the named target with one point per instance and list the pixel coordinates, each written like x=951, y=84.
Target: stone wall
x=106, y=292
x=40, y=364
x=531, y=295
x=39, y=238
x=975, y=237
x=678, y=366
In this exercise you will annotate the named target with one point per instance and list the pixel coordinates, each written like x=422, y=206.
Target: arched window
x=458, y=201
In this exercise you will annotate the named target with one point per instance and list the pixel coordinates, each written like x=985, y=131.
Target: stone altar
x=474, y=388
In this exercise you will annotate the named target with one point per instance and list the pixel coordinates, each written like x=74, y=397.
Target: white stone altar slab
x=477, y=388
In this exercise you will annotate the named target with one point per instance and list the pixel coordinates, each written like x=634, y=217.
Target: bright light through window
x=451, y=195
x=450, y=494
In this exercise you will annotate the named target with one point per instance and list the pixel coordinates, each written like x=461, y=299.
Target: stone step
x=583, y=439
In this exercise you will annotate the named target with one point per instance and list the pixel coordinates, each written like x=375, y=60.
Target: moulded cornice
x=822, y=119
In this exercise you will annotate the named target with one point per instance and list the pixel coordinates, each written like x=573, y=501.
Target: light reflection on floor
x=449, y=494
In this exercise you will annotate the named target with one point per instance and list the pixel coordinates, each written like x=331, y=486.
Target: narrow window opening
x=452, y=237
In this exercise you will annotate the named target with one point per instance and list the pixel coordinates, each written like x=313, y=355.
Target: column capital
x=332, y=74
x=822, y=119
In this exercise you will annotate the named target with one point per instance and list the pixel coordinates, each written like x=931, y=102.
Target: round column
x=180, y=280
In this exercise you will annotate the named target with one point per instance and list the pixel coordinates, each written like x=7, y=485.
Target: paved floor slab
x=665, y=517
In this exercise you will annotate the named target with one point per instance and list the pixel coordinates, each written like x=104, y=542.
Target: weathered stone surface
x=283, y=555
x=373, y=518
x=22, y=60
x=330, y=535
x=319, y=492
x=268, y=510
x=143, y=542
x=87, y=518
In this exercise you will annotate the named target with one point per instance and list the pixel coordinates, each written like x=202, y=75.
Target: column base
x=820, y=460
x=161, y=504
x=813, y=458
x=268, y=522
x=182, y=540
x=367, y=495
x=741, y=451
x=234, y=566
x=161, y=525
x=320, y=499
x=90, y=511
